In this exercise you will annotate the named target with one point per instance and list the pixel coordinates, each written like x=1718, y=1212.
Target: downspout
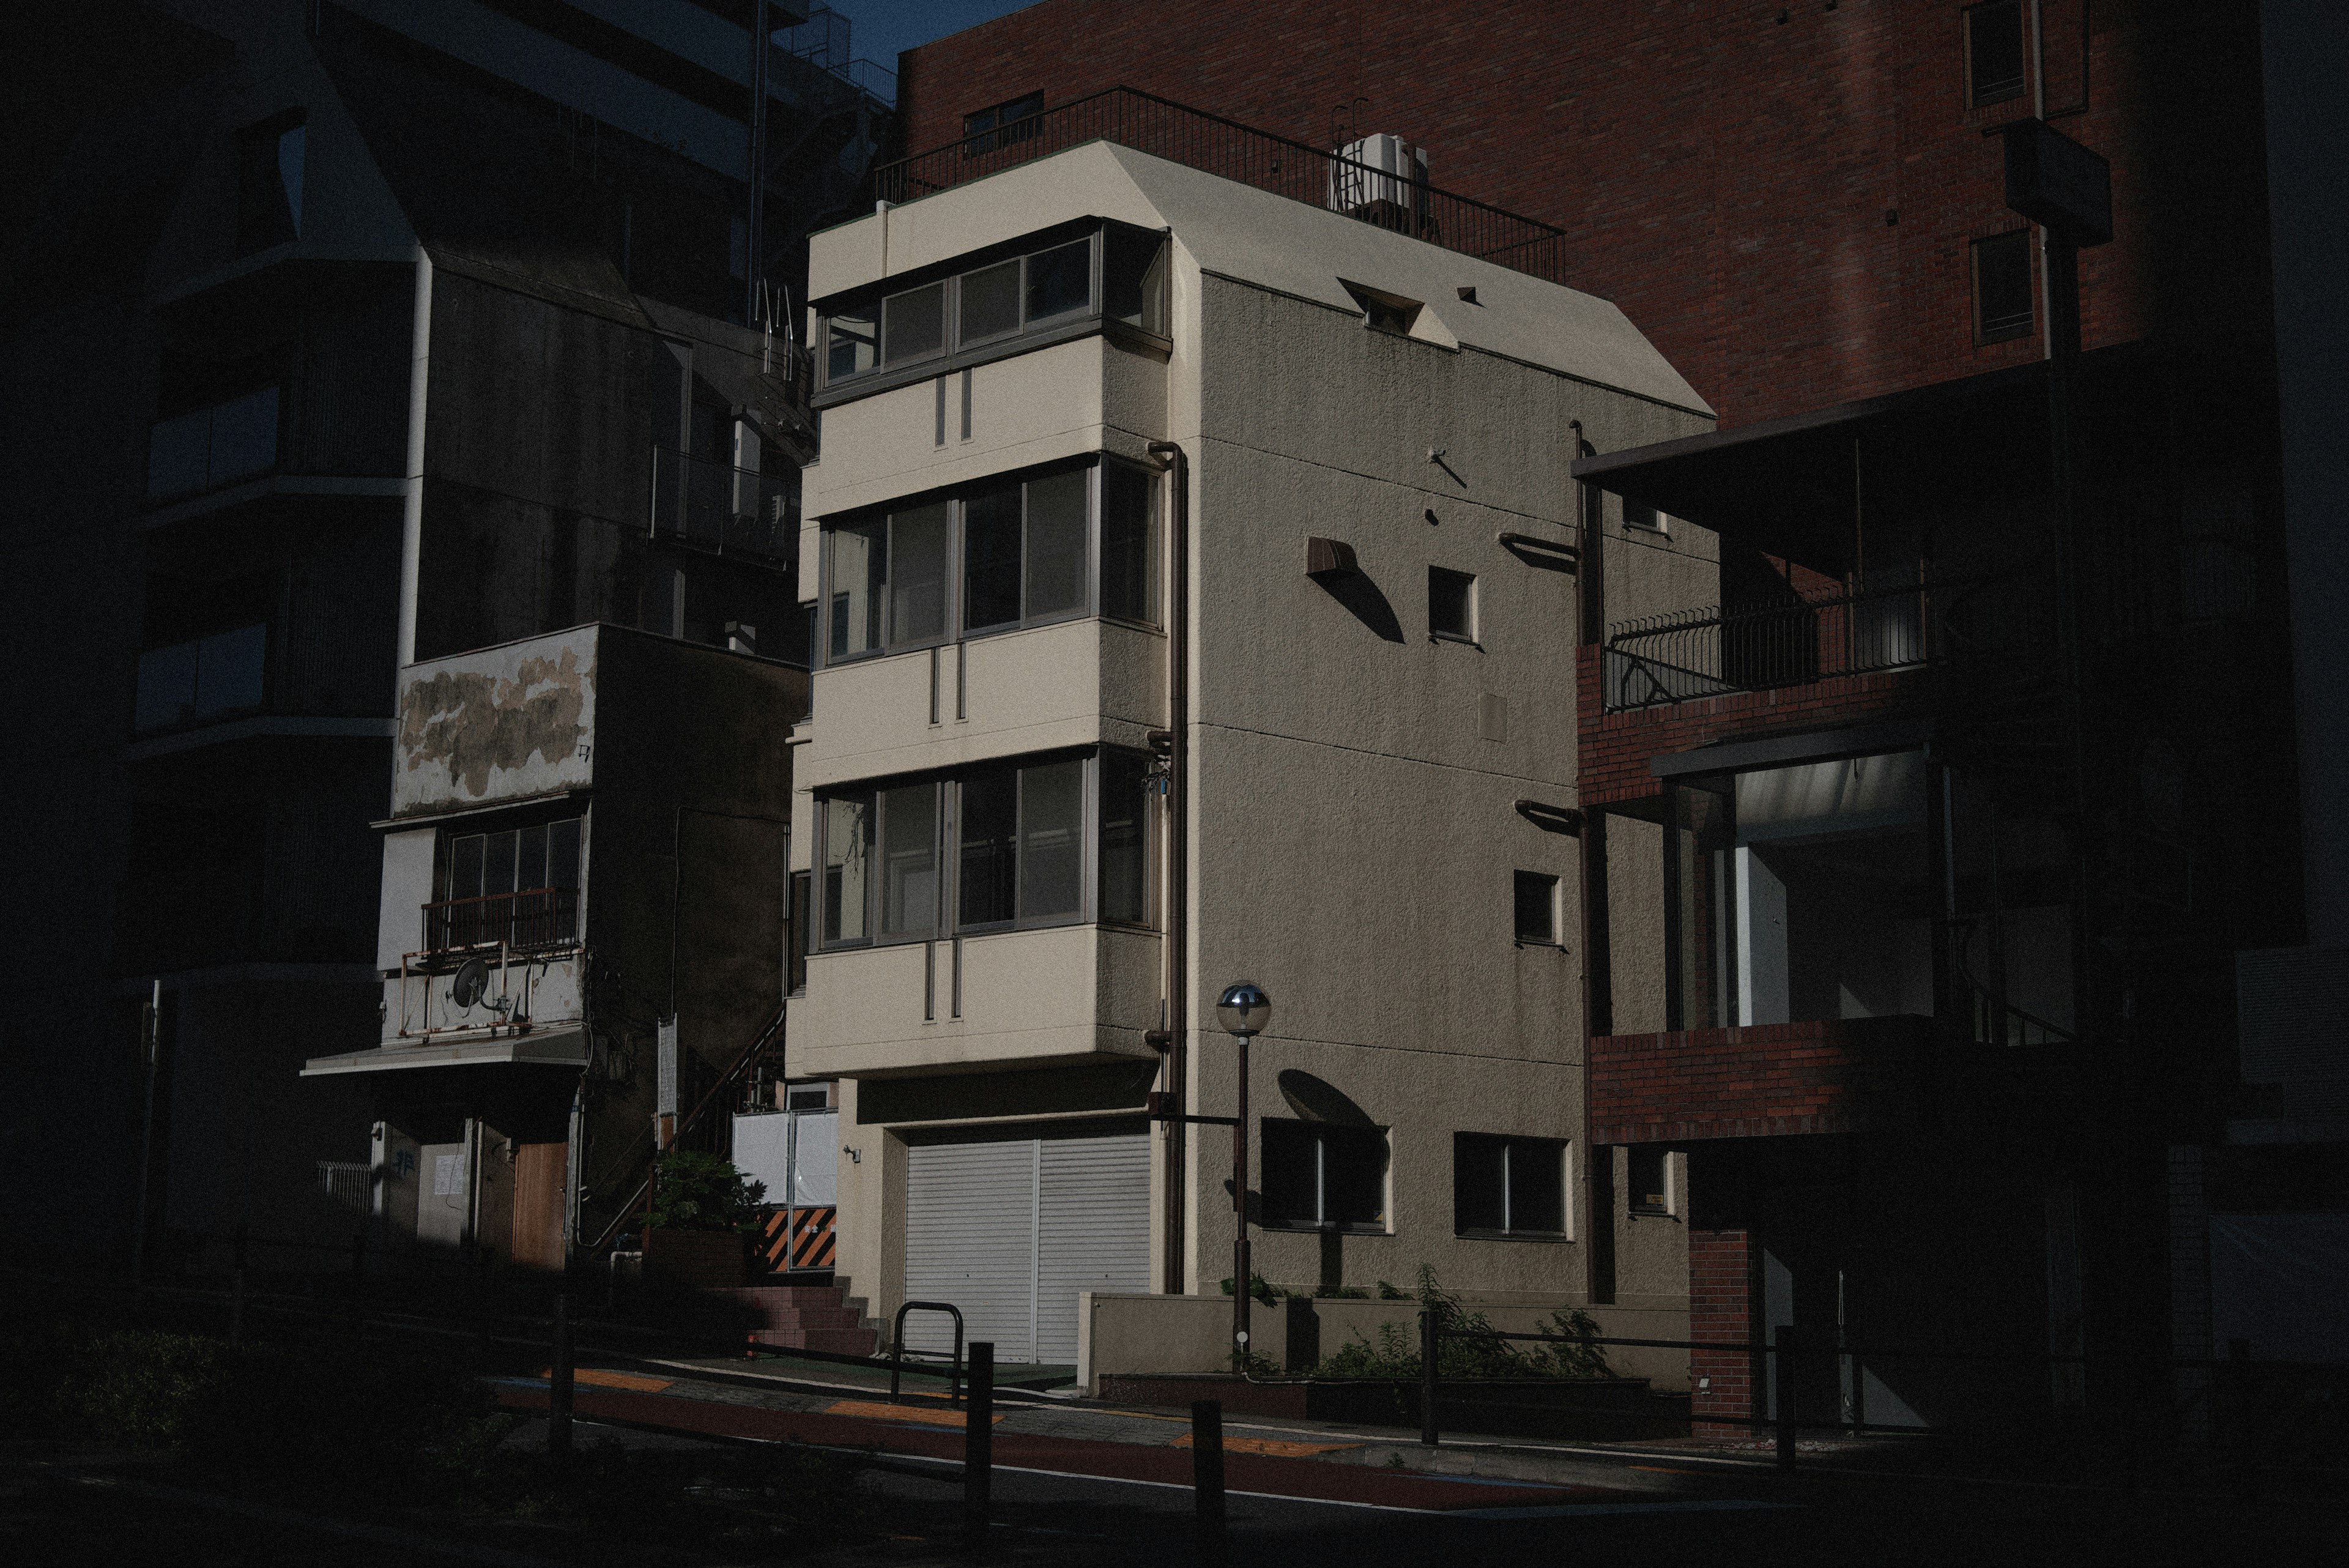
x=1598, y=980
x=2039, y=112
x=1176, y=1023
x=412, y=514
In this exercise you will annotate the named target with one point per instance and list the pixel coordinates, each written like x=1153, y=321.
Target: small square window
x=1536, y=901
x=1641, y=515
x=1320, y=1177
x=1508, y=1186
x=1994, y=53
x=2002, y=304
x=1450, y=605
x=1650, y=1190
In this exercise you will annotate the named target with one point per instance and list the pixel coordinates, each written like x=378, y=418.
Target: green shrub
x=1257, y=1289
x=697, y=1191
x=1395, y=1354
x=146, y=1391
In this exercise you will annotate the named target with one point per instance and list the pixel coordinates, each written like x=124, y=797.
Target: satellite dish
x=472, y=980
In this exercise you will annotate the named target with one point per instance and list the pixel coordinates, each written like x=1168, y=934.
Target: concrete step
x=838, y=1341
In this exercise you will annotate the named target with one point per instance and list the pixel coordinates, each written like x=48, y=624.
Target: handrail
x=897, y=1347
x=533, y=918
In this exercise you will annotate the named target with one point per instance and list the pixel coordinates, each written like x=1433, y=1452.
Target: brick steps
x=805, y=1317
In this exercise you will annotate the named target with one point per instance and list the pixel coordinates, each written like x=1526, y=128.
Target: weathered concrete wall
x=496, y=724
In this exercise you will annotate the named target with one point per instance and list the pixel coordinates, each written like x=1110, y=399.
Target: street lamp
x=1243, y=1010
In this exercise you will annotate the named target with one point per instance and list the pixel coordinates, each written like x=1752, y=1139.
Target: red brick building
x=1785, y=199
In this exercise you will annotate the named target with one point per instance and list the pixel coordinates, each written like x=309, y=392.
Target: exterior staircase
x=805, y=1317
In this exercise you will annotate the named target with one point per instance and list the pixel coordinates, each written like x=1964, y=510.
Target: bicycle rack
x=897, y=1347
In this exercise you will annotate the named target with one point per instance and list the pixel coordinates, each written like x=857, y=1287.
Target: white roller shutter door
x=1009, y=1232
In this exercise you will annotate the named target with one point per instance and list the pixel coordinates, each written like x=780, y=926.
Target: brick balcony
x=1771, y=1080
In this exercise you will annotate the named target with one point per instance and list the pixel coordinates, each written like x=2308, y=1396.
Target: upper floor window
x=1002, y=125
x=269, y=182
x=1994, y=53
x=2002, y=304
x=1116, y=272
x=1039, y=842
x=518, y=887
x=1009, y=551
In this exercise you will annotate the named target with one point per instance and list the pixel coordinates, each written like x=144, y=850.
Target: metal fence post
x=236, y=1308
x=1207, y=1482
x=1431, y=1339
x=1782, y=1386
x=2239, y=1418
x=559, y=1380
x=978, y=1448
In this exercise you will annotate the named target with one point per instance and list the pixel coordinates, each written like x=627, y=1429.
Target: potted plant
x=703, y=1215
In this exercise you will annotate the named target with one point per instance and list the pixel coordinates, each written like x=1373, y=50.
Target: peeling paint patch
x=475, y=732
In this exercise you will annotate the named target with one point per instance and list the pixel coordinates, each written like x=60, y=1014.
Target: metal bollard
x=1782, y=1348
x=979, y=1450
x=559, y=1380
x=1207, y=1482
x=1431, y=1337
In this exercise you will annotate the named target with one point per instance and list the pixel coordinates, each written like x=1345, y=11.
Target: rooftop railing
x=1899, y=620
x=1215, y=145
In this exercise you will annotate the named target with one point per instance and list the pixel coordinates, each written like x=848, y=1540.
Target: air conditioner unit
x=1391, y=171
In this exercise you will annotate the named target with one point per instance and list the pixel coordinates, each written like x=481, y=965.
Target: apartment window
x=1450, y=605
x=1650, y=1192
x=1536, y=908
x=1994, y=53
x=2002, y=303
x=1507, y=1186
x=1002, y=125
x=1118, y=273
x=1320, y=1177
x=1026, y=549
x=1051, y=841
x=513, y=887
x=269, y=182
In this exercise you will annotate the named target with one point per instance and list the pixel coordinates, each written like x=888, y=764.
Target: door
x=1011, y=1232
x=444, y=1196
x=538, y=1171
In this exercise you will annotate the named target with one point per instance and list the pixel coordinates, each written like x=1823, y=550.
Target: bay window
x=1002, y=845
x=1023, y=550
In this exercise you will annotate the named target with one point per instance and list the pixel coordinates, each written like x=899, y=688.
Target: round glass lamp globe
x=1244, y=1008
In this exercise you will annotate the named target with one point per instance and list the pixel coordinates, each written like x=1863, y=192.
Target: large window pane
x=167, y=687
x=531, y=871
x=1060, y=282
x=1134, y=277
x=1052, y=839
x=465, y=867
x=909, y=860
x=913, y=325
x=990, y=558
x=917, y=574
x=1056, y=544
x=1353, y=1177
x=1124, y=838
x=498, y=863
x=857, y=568
x=1129, y=535
x=563, y=853
x=990, y=302
x=1291, y=1174
x=1478, y=1182
x=848, y=867
x=990, y=821
x=1536, y=1184
x=855, y=347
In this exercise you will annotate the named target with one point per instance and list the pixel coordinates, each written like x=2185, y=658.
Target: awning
x=548, y=1048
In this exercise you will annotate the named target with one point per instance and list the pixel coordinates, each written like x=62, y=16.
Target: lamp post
x=1243, y=1010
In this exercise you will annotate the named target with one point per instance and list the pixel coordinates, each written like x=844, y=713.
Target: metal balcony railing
x=1209, y=142
x=717, y=507
x=1891, y=621
x=538, y=918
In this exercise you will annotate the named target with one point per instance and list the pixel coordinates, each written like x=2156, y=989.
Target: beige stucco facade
x=1353, y=780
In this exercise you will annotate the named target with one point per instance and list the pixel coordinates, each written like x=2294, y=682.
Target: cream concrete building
x=1073, y=413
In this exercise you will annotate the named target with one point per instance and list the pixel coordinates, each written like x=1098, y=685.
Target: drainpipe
x=1598, y=982
x=412, y=516
x=2039, y=111
x=1176, y=1024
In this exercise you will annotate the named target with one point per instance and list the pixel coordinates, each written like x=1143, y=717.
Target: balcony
x=201, y=680
x=532, y=921
x=722, y=509
x=1771, y=1080
x=213, y=446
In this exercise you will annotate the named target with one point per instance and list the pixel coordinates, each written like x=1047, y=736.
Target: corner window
x=2002, y=303
x=1002, y=125
x=1320, y=1177
x=1450, y=605
x=1052, y=841
x=1119, y=272
x=1650, y=1191
x=1994, y=53
x=269, y=182
x=1507, y=1186
x=1027, y=550
x=1536, y=908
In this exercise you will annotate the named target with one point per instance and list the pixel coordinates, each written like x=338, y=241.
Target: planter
x=695, y=1260
x=1588, y=1408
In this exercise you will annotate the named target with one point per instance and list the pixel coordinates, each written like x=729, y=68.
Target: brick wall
x=1767, y=1080
x=1784, y=207
x=1616, y=748
x=1721, y=1307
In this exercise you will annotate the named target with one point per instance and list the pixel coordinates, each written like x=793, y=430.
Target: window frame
x=1519, y=876
x=1562, y=1149
x=985, y=129
x=870, y=305
x=955, y=628
x=1978, y=96
x=1473, y=637
x=1984, y=335
x=946, y=852
x=1322, y=1133
x=1670, y=1209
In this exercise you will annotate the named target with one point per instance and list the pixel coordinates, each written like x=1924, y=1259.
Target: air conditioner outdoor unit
x=1391, y=171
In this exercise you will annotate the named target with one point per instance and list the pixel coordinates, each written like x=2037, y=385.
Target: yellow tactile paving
x=1272, y=1448
x=872, y=1411
x=634, y=1383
